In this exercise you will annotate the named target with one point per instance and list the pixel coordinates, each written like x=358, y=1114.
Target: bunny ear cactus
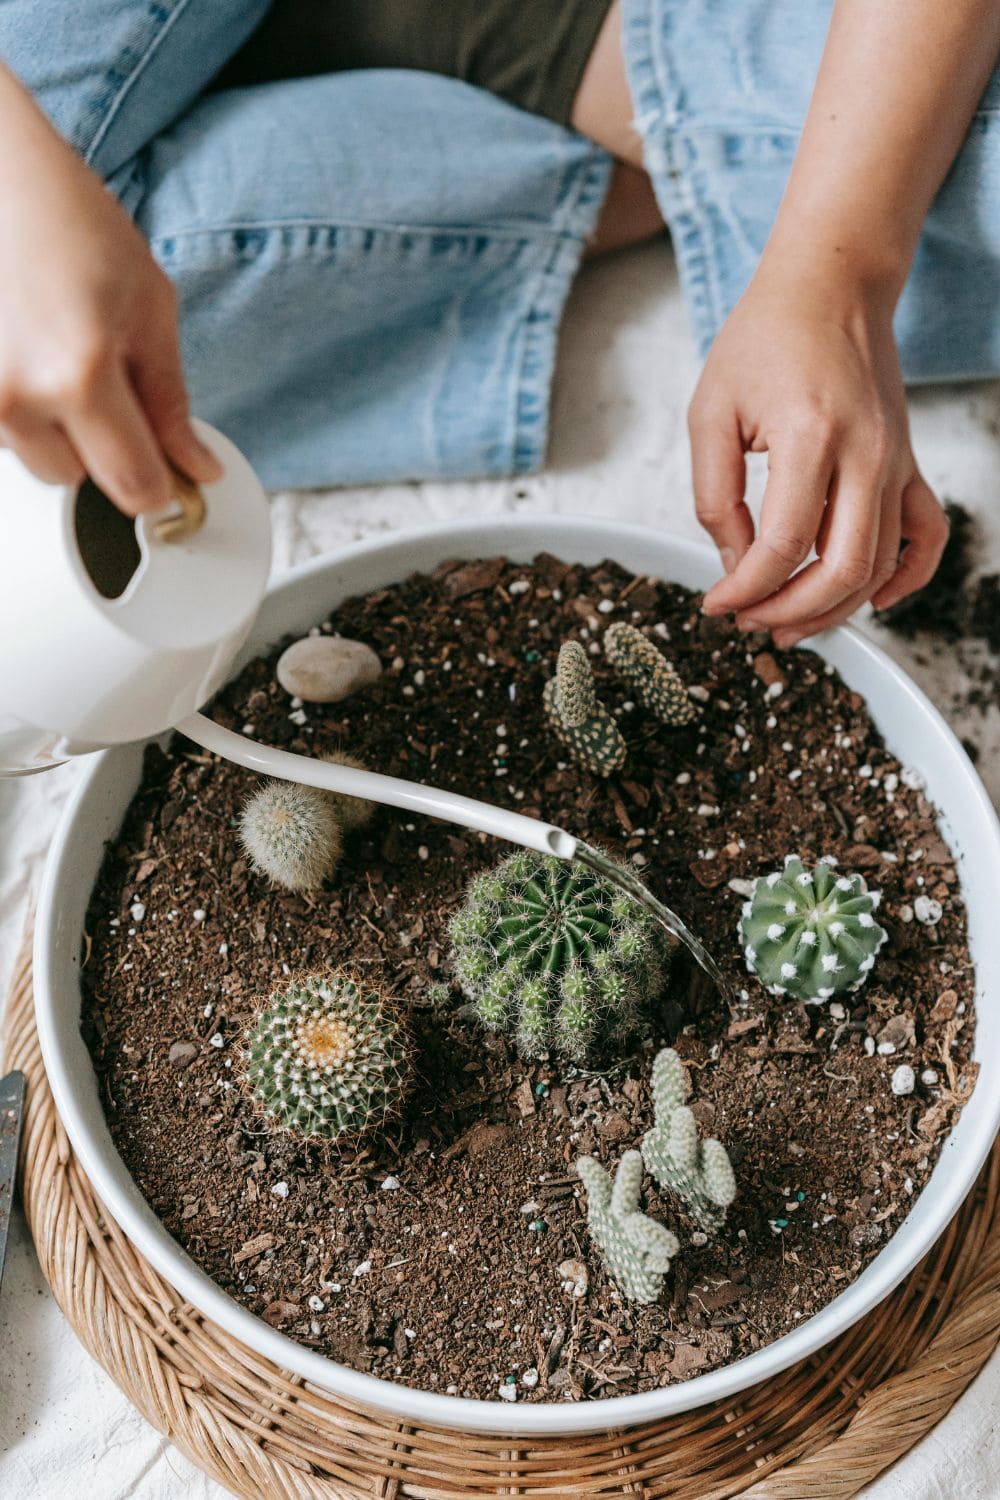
x=699, y=1171
x=636, y=1249
x=648, y=673
x=326, y=1058
x=810, y=933
x=583, y=724
x=557, y=956
x=292, y=834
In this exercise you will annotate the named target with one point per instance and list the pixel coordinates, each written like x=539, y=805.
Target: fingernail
x=728, y=557
x=212, y=464
x=785, y=642
x=749, y=626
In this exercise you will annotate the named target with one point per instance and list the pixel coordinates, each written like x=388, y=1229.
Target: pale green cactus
x=557, y=956
x=327, y=1058
x=637, y=1251
x=648, y=674
x=811, y=933
x=292, y=834
x=698, y=1171
x=583, y=724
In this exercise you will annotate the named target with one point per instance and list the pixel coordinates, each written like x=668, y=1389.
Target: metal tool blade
x=11, y=1115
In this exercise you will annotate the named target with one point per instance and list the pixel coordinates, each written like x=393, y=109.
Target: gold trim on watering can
x=189, y=518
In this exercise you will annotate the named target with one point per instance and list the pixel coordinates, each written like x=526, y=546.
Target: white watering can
x=113, y=631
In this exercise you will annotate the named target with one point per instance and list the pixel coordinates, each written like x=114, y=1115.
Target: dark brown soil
x=430, y=1255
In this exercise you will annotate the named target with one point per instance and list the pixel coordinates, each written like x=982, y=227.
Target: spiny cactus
x=583, y=724
x=292, y=834
x=353, y=811
x=811, y=933
x=326, y=1058
x=556, y=955
x=699, y=1171
x=648, y=673
x=636, y=1249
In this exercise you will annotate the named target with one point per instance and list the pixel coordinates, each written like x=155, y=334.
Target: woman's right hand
x=90, y=368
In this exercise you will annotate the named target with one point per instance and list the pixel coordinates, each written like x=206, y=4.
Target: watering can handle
x=189, y=518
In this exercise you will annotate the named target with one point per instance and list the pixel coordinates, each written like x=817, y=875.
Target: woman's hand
x=90, y=368
x=806, y=370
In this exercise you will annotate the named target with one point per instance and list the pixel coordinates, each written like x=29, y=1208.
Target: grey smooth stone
x=326, y=668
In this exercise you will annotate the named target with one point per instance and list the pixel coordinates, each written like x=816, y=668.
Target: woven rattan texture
x=820, y=1431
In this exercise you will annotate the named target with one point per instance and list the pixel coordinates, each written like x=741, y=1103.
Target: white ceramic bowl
x=913, y=730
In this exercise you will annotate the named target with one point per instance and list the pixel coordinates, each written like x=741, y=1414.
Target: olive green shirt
x=530, y=52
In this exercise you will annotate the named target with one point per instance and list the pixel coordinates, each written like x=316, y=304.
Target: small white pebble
x=423, y=852
x=137, y=911
x=606, y=606
x=927, y=910
x=390, y=1184
x=249, y=728
x=774, y=691
x=929, y=1077
x=740, y=887
x=870, y=1046
x=886, y=1049
x=683, y=778
x=837, y=1011
x=298, y=716
x=420, y=677
x=199, y=914
x=530, y=1379
x=362, y=1268
x=706, y=810
x=698, y=693
x=507, y=1392
x=218, y=1040
x=279, y=1189
x=903, y=1081
x=908, y=1185
x=317, y=1304
x=519, y=586
x=906, y=912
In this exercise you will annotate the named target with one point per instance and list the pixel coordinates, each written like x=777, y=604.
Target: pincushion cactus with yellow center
x=699, y=1171
x=327, y=1058
x=648, y=674
x=636, y=1249
x=811, y=933
x=556, y=955
x=583, y=724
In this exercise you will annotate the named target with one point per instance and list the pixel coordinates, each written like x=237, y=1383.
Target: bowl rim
x=437, y=1409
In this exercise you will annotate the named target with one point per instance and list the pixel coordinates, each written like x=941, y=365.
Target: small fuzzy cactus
x=556, y=955
x=699, y=1171
x=292, y=834
x=810, y=933
x=327, y=1058
x=636, y=1249
x=583, y=724
x=648, y=674
x=353, y=811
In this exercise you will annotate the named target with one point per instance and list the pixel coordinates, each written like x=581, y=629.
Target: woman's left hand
x=806, y=369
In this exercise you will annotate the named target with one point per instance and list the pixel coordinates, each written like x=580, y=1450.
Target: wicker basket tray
x=820, y=1431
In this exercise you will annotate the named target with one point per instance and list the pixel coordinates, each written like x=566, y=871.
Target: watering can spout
x=111, y=630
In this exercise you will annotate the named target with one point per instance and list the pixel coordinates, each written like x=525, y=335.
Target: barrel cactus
x=583, y=724
x=636, y=1249
x=556, y=955
x=292, y=834
x=810, y=933
x=698, y=1171
x=648, y=674
x=352, y=811
x=326, y=1057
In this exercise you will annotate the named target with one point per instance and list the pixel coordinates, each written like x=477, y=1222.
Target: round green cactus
x=580, y=720
x=811, y=933
x=557, y=956
x=292, y=834
x=326, y=1058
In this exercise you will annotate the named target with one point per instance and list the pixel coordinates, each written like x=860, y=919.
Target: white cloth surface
x=619, y=448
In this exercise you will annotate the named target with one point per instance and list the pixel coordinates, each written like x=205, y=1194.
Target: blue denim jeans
x=721, y=89
x=372, y=266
